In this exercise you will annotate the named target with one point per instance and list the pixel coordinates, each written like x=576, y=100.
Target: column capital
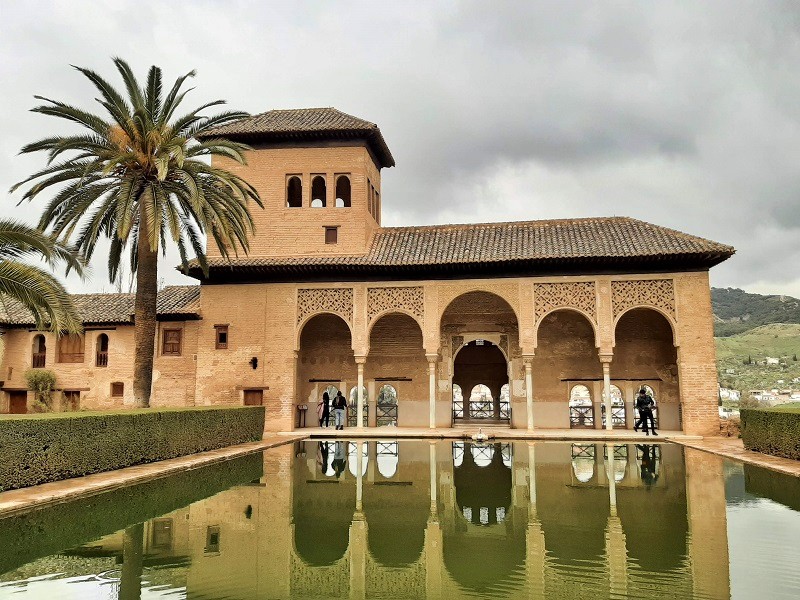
x=605, y=357
x=527, y=360
x=360, y=360
x=432, y=358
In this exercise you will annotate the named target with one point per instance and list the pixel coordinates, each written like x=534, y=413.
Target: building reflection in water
x=452, y=519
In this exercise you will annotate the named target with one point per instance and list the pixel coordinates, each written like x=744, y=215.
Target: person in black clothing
x=339, y=407
x=648, y=467
x=325, y=410
x=339, y=462
x=644, y=404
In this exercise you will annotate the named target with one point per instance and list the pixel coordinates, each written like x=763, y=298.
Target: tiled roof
x=178, y=300
x=593, y=242
x=305, y=123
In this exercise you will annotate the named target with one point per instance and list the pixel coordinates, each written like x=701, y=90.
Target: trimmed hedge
x=37, y=449
x=771, y=431
x=49, y=530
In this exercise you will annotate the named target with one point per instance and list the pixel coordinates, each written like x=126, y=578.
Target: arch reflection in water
x=432, y=522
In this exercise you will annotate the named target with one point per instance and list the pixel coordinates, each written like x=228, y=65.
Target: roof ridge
x=501, y=223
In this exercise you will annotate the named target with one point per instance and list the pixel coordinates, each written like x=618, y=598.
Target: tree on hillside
x=137, y=175
x=32, y=286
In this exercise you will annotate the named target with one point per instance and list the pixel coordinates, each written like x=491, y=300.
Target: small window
x=318, y=192
x=70, y=349
x=370, y=192
x=331, y=235
x=72, y=400
x=253, y=397
x=39, y=357
x=162, y=534
x=212, y=539
x=171, y=342
x=221, y=335
x=101, y=355
x=294, y=192
x=343, y=191
x=377, y=206
x=117, y=389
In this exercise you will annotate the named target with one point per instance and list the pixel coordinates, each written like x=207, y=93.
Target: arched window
x=101, y=354
x=458, y=402
x=343, y=191
x=332, y=392
x=387, y=406
x=458, y=453
x=294, y=192
x=583, y=461
x=482, y=455
x=39, y=349
x=481, y=403
x=617, y=407
x=318, y=192
x=388, y=457
x=352, y=409
x=581, y=411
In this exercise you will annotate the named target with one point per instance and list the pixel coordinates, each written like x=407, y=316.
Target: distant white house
x=772, y=361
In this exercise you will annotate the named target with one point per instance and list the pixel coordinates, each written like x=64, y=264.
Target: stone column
x=432, y=361
x=605, y=359
x=359, y=476
x=528, y=362
x=360, y=360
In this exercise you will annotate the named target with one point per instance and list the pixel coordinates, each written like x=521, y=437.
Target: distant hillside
x=741, y=357
x=736, y=311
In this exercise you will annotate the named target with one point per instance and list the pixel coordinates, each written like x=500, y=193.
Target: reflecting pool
x=423, y=519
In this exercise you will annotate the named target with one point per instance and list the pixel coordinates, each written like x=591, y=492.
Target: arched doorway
x=581, y=409
x=645, y=354
x=325, y=359
x=481, y=367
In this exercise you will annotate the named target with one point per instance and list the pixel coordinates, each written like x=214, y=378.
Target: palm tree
x=31, y=286
x=138, y=176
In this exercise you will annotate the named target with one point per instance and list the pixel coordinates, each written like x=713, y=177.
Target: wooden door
x=18, y=403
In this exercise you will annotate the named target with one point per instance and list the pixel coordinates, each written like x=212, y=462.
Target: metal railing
x=581, y=417
x=101, y=360
x=39, y=359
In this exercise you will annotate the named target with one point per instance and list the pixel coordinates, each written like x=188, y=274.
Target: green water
x=419, y=519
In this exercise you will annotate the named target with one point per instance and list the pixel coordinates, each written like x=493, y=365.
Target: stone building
x=534, y=324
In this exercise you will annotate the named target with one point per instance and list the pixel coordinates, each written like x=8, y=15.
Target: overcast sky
x=685, y=116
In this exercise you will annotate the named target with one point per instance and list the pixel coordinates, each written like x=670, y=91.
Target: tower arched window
x=343, y=191
x=101, y=358
x=318, y=192
x=39, y=352
x=294, y=192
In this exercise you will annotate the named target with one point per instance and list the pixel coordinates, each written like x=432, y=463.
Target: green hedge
x=36, y=449
x=49, y=530
x=771, y=431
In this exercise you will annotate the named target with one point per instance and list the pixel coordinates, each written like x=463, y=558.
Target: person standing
x=339, y=461
x=644, y=404
x=339, y=408
x=324, y=410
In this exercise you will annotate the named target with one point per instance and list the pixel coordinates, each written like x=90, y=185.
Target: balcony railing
x=102, y=358
x=39, y=358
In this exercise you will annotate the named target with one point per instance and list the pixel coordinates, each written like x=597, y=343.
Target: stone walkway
x=19, y=501
x=734, y=448
x=499, y=433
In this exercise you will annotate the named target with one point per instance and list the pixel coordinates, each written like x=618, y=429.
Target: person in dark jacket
x=339, y=408
x=645, y=404
x=324, y=410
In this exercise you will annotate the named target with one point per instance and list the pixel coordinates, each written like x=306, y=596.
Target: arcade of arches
x=494, y=355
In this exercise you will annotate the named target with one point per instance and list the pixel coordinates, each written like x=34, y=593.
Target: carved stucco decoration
x=333, y=300
x=408, y=299
x=507, y=291
x=658, y=293
x=578, y=294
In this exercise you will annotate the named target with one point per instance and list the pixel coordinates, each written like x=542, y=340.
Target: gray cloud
x=686, y=116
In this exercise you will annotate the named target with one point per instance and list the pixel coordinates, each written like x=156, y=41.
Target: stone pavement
x=734, y=448
x=22, y=500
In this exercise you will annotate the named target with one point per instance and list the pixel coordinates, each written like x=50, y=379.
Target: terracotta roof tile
x=181, y=300
x=305, y=123
x=595, y=241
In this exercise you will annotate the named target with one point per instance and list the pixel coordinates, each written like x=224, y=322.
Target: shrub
x=36, y=449
x=41, y=382
x=772, y=431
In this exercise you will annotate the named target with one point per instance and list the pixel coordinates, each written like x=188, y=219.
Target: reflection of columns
x=708, y=528
x=532, y=476
x=434, y=560
x=616, y=554
x=130, y=584
x=606, y=360
x=359, y=476
x=534, y=536
x=360, y=360
x=432, y=360
x=358, y=557
x=527, y=360
x=434, y=500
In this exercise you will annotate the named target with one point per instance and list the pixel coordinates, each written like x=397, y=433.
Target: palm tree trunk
x=145, y=321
